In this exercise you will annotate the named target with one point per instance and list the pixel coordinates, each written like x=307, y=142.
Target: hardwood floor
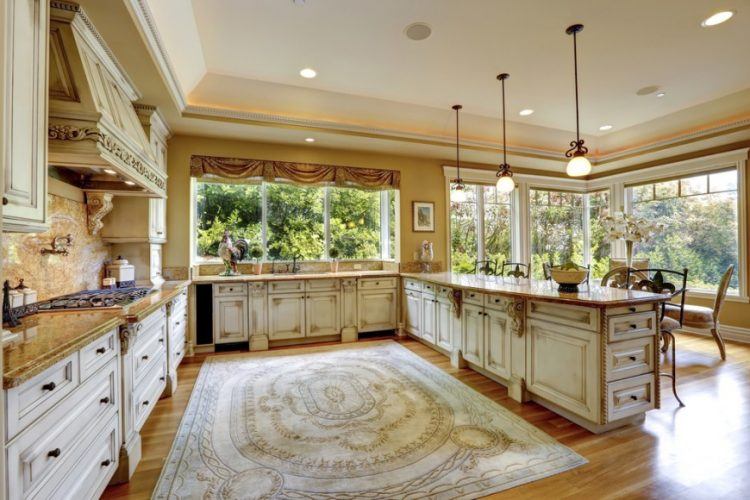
x=700, y=451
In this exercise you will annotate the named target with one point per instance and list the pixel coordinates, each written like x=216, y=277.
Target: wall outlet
x=357, y=267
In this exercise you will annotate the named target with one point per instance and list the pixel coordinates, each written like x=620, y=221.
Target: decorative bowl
x=568, y=278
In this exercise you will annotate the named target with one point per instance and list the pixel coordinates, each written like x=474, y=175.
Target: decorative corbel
x=128, y=333
x=516, y=312
x=97, y=206
x=456, y=298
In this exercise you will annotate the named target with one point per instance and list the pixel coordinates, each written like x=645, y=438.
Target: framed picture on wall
x=423, y=216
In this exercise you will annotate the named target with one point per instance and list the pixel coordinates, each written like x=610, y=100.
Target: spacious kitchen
x=398, y=249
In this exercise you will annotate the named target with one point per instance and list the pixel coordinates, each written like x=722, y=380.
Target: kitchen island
x=590, y=356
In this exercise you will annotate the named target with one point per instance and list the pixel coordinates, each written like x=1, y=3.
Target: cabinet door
x=155, y=262
x=444, y=325
x=25, y=115
x=562, y=366
x=157, y=218
x=377, y=310
x=286, y=316
x=429, y=316
x=496, y=343
x=230, y=319
x=414, y=313
x=323, y=311
x=472, y=320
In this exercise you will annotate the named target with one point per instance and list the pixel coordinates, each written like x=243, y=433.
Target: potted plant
x=256, y=253
x=334, y=254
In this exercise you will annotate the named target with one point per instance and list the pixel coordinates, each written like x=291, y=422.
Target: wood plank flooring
x=700, y=451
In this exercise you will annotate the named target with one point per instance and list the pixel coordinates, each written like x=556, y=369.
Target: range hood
x=95, y=137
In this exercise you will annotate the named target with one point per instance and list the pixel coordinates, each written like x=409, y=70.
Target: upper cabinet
x=25, y=115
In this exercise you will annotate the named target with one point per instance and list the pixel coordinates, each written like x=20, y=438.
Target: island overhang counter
x=591, y=356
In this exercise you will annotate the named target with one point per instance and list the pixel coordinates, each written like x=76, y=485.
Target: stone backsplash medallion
x=52, y=275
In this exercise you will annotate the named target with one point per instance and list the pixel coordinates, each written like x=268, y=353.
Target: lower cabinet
x=323, y=314
x=496, y=343
x=429, y=317
x=472, y=325
x=286, y=316
x=230, y=319
x=444, y=324
x=413, y=310
x=377, y=309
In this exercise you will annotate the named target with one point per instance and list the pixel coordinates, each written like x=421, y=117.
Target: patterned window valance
x=302, y=173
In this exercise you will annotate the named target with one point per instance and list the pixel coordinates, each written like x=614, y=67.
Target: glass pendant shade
x=505, y=184
x=579, y=166
x=458, y=194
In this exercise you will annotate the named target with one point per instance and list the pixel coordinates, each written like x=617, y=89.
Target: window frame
x=385, y=243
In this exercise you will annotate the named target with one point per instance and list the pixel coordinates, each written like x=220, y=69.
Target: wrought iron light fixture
x=505, y=183
x=459, y=189
x=578, y=165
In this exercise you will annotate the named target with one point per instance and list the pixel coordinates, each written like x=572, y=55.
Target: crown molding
x=144, y=21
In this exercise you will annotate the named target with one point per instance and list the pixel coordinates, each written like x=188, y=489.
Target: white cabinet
x=497, y=343
x=472, y=325
x=24, y=111
x=286, y=316
x=413, y=309
x=230, y=319
x=429, y=317
x=562, y=366
x=157, y=213
x=323, y=314
x=378, y=309
x=444, y=324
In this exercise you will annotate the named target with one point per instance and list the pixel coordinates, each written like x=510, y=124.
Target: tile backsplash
x=53, y=275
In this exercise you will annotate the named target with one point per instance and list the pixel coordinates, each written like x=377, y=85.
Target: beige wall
x=421, y=180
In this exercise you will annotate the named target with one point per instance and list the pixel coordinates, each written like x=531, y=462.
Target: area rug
x=368, y=420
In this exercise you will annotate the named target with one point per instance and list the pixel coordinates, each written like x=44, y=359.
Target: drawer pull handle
x=101, y=350
x=632, y=309
x=162, y=379
x=104, y=401
x=144, y=357
x=632, y=358
x=54, y=453
x=634, y=397
x=49, y=387
x=177, y=323
x=633, y=327
x=145, y=403
x=106, y=463
x=161, y=340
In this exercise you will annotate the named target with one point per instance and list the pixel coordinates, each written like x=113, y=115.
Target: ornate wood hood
x=95, y=135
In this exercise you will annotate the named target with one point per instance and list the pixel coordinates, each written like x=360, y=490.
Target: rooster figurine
x=231, y=253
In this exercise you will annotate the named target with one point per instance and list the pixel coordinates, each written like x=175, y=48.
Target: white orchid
x=621, y=226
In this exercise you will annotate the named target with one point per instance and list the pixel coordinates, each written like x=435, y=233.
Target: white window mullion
x=586, y=224
x=385, y=244
x=264, y=220
x=479, y=194
x=326, y=222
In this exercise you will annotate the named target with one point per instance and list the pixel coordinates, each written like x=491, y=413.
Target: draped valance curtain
x=242, y=169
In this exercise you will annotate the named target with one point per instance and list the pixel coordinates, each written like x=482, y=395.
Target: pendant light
x=459, y=189
x=505, y=182
x=578, y=165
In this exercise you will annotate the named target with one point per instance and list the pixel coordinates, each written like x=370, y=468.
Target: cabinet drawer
x=33, y=398
x=473, y=297
x=54, y=442
x=322, y=285
x=229, y=289
x=637, y=308
x=631, y=326
x=576, y=316
x=496, y=302
x=412, y=284
x=373, y=283
x=91, y=473
x=178, y=319
x=630, y=396
x=286, y=286
x=148, y=393
x=149, y=351
x=178, y=351
x=429, y=287
x=96, y=354
x=630, y=358
x=443, y=291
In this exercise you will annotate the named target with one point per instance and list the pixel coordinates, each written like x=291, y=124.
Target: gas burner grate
x=87, y=299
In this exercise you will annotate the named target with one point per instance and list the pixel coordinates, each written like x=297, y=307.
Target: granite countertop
x=46, y=338
x=589, y=295
x=292, y=277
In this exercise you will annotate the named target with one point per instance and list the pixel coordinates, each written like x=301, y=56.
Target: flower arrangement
x=630, y=228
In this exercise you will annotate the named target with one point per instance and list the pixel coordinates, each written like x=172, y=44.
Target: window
x=289, y=220
x=699, y=213
x=480, y=227
x=565, y=228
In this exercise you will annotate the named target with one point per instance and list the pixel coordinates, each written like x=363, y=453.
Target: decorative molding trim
x=69, y=133
x=141, y=14
x=98, y=205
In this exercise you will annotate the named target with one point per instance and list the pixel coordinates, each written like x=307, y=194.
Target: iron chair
x=515, y=269
x=487, y=267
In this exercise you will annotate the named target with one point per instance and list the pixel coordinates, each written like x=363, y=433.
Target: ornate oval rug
x=367, y=420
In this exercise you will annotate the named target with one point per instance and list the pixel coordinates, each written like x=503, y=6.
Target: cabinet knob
x=106, y=463
x=161, y=340
x=632, y=309
x=377, y=283
x=632, y=358
x=5, y=200
x=145, y=403
x=634, y=397
x=54, y=453
x=144, y=357
x=177, y=323
x=49, y=387
x=104, y=401
x=162, y=379
x=159, y=232
x=101, y=350
x=633, y=326
x=178, y=353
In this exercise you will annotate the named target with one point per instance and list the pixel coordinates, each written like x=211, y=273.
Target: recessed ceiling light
x=310, y=139
x=109, y=171
x=650, y=89
x=604, y=128
x=418, y=31
x=298, y=2
x=718, y=18
x=661, y=94
x=526, y=112
x=130, y=183
x=308, y=73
